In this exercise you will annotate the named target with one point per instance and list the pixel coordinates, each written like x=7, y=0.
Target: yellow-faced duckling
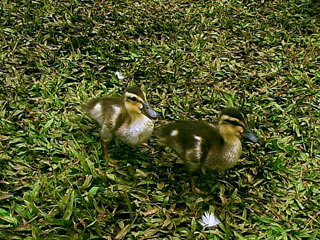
x=204, y=146
x=128, y=118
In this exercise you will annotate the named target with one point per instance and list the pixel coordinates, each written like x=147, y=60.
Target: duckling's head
x=232, y=123
x=136, y=103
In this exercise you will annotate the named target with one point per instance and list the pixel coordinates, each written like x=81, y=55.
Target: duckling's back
x=192, y=140
x=100, y=109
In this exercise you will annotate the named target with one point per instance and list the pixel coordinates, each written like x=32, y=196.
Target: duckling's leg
x=192, y=184
x=106, y=136
x=195, y=190
x=104, y=149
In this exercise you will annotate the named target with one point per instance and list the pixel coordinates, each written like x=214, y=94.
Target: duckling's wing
x=104, y=108
x=184, y=130
x=186, y=136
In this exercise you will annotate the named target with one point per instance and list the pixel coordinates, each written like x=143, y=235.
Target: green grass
x=193, y=59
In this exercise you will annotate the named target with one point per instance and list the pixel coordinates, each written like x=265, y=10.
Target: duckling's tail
x=158, y=133
x=94, y=110
x=163, y=133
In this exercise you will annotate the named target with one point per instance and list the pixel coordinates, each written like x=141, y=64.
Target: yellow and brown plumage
x=204, y=146
x=128, y=118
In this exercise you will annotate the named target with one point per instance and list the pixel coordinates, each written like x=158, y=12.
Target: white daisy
x=119, y=76
x=209, y=220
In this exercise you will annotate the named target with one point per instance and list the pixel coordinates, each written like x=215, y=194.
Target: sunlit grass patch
x=192, y=59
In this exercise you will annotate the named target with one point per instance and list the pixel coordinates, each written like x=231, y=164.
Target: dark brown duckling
x=204, y=146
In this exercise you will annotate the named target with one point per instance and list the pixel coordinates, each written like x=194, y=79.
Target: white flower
x=119, y=76
x=209, y=220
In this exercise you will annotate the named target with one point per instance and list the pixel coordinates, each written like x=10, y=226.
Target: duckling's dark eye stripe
x=235, y=123
x=132, y=98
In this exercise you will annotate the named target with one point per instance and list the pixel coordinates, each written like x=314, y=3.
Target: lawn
x=192, y=58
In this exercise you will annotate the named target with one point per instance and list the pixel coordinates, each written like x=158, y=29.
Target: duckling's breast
x=225, y=158
x=136, y=132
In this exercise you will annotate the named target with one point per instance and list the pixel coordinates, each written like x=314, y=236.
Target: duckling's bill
x=249, y=135
x=149, y=112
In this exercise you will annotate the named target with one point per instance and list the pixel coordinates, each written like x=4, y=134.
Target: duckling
x=128, y=118
x=204, y=146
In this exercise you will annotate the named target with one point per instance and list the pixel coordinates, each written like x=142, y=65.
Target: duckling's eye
x=133, y=99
